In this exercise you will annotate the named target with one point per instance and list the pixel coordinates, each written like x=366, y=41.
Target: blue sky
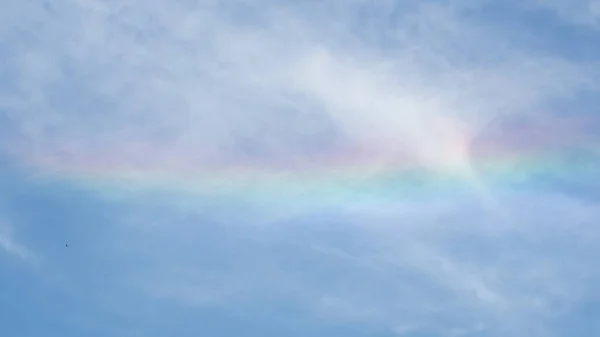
x=116, y=83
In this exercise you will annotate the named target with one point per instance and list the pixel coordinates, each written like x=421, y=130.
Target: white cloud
x=157, y=73
x=10, y=246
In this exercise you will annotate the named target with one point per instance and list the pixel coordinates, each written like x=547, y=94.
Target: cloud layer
x=221, y=80
x=10, y=246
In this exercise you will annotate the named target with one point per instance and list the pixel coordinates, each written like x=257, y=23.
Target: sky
x=300, y=168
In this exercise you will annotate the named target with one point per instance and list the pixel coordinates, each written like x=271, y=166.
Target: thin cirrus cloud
x=157, y=73
x=10, y=246
x=150, y=93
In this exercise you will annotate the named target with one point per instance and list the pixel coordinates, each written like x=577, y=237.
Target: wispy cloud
x=506, y=275
x=10, y=246
x=279, y=75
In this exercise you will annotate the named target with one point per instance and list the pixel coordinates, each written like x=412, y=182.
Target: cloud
x=468, y=270
x=280, y=76
x=8, y=244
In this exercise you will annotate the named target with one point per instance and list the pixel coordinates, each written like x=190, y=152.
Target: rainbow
x=338, y=178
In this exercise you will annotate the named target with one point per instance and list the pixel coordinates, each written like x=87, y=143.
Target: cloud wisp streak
x=10, y=246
